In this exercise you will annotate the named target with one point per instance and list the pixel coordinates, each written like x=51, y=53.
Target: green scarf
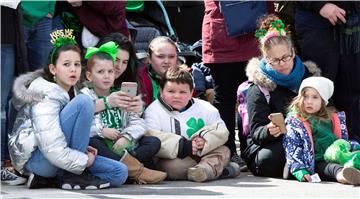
x=322, y=135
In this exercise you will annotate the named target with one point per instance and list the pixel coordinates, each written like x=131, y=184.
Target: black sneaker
x=237, y=159
x=83, y=181
x=230, y=171
x=37, y=182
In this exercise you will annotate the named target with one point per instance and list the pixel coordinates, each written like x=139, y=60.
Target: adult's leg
x=148, y=147
x=319, y=46
x=227, y=77
x=177, y=168
x=39, y=39
x=269, y=160
x=347, y=92
x=7, y=76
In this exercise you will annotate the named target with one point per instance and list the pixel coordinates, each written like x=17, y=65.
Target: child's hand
x=91, y=159
x=120, y=142
x=197, y=144
x=306, y=178
x=110, y=133
x=273, y=129
x=92, y=150
x=135, y=105
x=194, y=147
x=200, y=142
x=118, y=99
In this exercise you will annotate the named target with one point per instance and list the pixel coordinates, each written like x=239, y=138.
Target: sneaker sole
x=18, y=181
x=352, y=175
x=67, y=186
x=30, y=180
x=196, y=174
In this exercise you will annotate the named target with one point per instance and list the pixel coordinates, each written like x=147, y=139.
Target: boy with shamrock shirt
x=191, y=131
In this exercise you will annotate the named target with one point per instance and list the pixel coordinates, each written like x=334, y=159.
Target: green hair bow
x=109, y=47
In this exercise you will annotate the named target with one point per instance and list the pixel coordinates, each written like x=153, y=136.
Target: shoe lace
x=7, y=175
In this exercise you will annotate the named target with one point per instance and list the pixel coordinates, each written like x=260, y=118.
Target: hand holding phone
x=130, y=88
x=278, y=120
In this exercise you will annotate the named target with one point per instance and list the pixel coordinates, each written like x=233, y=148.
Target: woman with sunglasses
x=279, y=71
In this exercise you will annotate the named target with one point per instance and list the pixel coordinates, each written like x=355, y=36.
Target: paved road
x=244, y=186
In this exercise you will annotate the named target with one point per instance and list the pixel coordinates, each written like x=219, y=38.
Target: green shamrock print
x=194, y=126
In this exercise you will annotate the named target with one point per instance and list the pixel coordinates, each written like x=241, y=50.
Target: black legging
x=269, y=160
x=147, y=148
x=227, y=77
x=327, y=171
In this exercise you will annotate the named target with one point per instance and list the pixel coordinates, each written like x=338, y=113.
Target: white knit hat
x=323, y=85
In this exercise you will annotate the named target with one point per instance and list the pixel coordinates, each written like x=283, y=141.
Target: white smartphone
x=130, y=88
x=278, y=120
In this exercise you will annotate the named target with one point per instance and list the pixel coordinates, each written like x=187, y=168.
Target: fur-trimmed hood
x=21, y=94
x=255, y=75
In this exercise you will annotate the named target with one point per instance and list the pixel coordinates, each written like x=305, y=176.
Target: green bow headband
x=109, y=47
x=61, y=38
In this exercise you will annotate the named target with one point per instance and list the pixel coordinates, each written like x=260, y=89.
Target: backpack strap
x=265, y=92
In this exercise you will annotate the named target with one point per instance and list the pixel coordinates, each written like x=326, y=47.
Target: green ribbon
x=279, y=26
x=275, y=25
x=59, y=41
x=110, y=48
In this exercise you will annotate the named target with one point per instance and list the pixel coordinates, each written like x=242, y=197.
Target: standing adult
x=328, y=33
x=37, y=26
x=279, y=71
x=101, y=17
x=12, y=62
x=226, y=57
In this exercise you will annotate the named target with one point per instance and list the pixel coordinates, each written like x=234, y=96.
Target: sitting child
x=308, y=136
x=117, y=133
x=191, y=131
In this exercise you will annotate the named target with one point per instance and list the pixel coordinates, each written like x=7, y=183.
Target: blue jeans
x=7, y=77
x=37, y=42
x=56, y=23
x=75, y=119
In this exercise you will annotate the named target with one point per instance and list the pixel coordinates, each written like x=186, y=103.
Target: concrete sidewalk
x=244, y=186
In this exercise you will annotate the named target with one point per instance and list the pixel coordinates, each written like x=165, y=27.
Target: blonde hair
x=296, y=107
x=158, y=40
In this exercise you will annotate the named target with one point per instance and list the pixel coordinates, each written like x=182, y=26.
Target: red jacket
x=145, y=85
x=217, y=46
x=103, y=17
